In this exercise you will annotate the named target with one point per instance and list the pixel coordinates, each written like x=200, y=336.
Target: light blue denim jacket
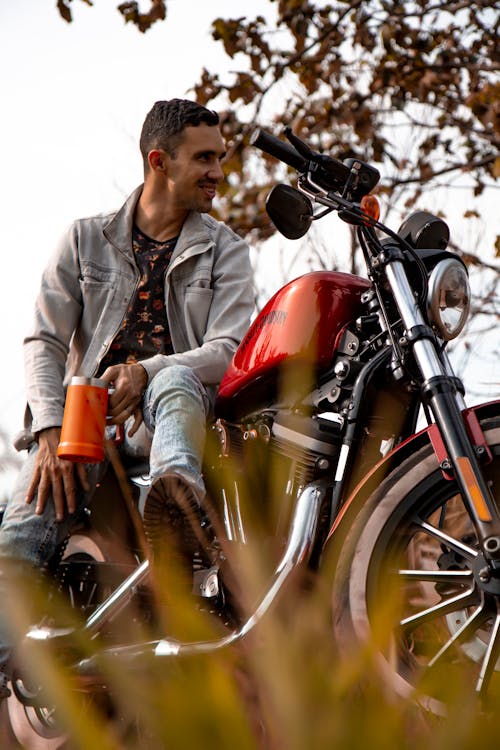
x=87, y=287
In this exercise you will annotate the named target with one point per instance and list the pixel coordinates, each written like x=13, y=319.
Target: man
x=154, y=299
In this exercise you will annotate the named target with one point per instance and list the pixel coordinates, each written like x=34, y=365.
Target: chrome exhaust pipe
x=298, y=549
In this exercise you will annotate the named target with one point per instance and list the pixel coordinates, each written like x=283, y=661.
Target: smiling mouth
x=209, y=188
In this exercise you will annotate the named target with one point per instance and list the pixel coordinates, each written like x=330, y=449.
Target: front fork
x=446, y=406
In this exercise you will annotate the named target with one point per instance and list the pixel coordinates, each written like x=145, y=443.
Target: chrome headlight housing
x=448, y=299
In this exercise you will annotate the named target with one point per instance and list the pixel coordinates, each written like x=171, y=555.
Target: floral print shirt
x=144, y=331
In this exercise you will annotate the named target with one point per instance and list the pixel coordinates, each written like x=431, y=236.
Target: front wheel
x=413, y=550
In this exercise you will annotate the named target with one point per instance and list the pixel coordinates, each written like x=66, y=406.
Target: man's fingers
x=68, y=476
x=44, y=487
x=58, y=499
x=82, y=477
x=118, y=403
x=110, y=374
x=137, y=422
x=129, y=381
x=35, y=479
x=56, y=481
x=124, y=412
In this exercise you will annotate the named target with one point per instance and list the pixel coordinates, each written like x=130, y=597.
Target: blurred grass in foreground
x=283, y=688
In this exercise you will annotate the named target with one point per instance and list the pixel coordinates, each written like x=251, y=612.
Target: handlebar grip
x=279, y=149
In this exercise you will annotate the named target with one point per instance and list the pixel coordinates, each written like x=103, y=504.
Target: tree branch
x=445, y=170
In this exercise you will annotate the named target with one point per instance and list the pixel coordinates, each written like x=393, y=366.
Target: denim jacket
x=86, y=289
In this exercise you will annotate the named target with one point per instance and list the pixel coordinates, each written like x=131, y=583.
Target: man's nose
x=216, y=172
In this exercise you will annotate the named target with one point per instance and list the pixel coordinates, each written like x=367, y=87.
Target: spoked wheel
x=413, y=551
x=35, y=726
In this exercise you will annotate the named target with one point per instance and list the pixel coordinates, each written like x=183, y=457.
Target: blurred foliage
x=284, y=688
x=412, y=87
x=409, y=86
x=129, y=10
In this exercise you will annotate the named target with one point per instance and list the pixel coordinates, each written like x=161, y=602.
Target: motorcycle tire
x=98, y=555
x=37, y=727
x=411, y=556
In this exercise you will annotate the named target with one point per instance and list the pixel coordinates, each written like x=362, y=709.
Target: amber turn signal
x=370, y=205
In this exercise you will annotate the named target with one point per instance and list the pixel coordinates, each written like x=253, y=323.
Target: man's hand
x=129, y=382
x=53, y=476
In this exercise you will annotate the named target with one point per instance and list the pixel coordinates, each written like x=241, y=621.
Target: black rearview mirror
x=290, y=211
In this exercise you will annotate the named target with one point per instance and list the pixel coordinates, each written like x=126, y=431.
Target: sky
x=73, y=99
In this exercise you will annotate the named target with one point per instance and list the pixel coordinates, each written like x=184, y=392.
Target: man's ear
x=158, y=160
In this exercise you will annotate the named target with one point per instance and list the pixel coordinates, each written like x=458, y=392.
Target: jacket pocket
x=105, y=296
x=97, y=297
x=92, y=274
x=197, y=304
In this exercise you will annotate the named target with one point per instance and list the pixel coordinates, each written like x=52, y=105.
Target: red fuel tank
x=298, y=326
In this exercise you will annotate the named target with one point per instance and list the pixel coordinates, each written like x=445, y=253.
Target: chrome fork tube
x=449, y=371
x=424, y=351
x=440, y=393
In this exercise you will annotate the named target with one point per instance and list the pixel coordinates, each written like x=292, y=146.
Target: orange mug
x=84, y=421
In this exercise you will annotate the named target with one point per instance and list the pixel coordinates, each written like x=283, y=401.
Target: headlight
x=448, y=300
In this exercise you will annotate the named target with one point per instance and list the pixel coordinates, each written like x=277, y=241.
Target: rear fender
x=473, y=416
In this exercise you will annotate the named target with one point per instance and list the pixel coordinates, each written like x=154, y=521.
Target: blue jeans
x=175, y=409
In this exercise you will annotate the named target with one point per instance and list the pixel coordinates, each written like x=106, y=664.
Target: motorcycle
x=315, y=431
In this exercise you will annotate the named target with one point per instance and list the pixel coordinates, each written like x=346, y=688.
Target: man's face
x=194, y=173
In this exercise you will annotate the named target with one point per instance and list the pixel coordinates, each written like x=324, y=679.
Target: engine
x=266, y=462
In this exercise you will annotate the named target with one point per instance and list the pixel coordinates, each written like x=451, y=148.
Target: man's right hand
x=54, y=477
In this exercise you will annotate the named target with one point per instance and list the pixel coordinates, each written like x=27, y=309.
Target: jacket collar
x=118, y=231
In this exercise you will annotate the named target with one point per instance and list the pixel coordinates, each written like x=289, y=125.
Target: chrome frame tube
x=237, y=513
x=231, y=511
x=104, y=613
x=117, y=600
x=227, y=517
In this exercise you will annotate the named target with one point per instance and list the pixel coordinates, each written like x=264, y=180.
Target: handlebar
x=353, y=178
x=279, y=149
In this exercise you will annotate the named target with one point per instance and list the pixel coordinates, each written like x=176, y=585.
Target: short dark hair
x=165, y=122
